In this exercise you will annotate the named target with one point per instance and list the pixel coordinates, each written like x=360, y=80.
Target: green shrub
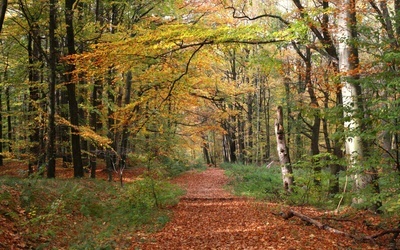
x=255, y=181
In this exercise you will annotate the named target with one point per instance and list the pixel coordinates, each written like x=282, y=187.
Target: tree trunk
x=123, y=150
x=111, y=122
x=206, y=153
x=283, y=152
x=51, y=165
x=351, y=92
x=267, y=99
x=225, y=148
x=93, y=120
x=3, y=9
x=315, y=128
x=71, y=88
x=249, y=154
x=9, y=122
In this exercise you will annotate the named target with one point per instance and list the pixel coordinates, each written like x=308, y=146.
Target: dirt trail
x=209, y=217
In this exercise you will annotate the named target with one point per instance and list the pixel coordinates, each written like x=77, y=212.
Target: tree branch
x=183, y=74
x=245, y=16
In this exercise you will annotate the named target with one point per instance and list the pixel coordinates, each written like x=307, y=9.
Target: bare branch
x=243, y=15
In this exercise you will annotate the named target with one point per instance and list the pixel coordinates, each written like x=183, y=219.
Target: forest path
x=209, y=217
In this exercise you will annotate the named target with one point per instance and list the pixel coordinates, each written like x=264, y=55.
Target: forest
x=300, y=96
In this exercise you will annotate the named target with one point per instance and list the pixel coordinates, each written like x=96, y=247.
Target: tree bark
x=9, y=121
x=111, y=158
x=283, y=152
x=267, y=99
x=93, y=120
x=125, y=131
x=71, y=88
x=351, y=92
x=51, y=153
x=3, y=9
x=34, y=95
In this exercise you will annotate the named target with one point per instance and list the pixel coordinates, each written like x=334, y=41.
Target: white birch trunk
x=283, y=152
x=350, y=93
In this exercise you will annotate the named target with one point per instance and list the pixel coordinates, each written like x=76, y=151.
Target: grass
x=84, y=214
x=266, y=183
x=254, y=181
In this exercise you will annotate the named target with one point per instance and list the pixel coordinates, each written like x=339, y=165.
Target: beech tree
x=71, y=87
x=51, y=150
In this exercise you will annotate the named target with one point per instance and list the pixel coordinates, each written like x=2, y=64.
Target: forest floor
x=210, y=217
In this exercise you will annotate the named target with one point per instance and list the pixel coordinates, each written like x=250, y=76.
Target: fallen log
x=289, y=214
x=316, y=223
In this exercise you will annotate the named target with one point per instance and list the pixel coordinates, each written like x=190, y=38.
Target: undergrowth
x=254, y=181
x=84, y=214
x=266, y=183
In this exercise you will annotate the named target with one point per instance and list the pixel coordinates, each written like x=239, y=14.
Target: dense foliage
x=156, y=83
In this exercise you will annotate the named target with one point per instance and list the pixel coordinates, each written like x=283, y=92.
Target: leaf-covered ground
x=209, y=217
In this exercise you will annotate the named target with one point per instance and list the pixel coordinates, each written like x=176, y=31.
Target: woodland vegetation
x=164, y=85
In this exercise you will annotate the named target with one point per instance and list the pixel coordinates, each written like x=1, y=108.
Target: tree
x=351, y=92
x=283, y=152
x=51, y=150
x=3, y=9
x=71, y=87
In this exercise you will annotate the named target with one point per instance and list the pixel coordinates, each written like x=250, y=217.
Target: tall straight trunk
x=111, y=157
x=3, y=9
x=71, y=88
x=225, y=148
x=94, y=122
x=34, y=94
x=9, y=121
x=258, y=150
x=267, y=98
x=287, y=83
x=240, y=139
x=125, y=131
x=351, y=92
x=1, y=116
x=283, y=152
x=51, y=152
x=249, y=155
x=315, y=127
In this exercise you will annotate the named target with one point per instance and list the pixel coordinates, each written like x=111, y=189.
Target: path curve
x=209, y=217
